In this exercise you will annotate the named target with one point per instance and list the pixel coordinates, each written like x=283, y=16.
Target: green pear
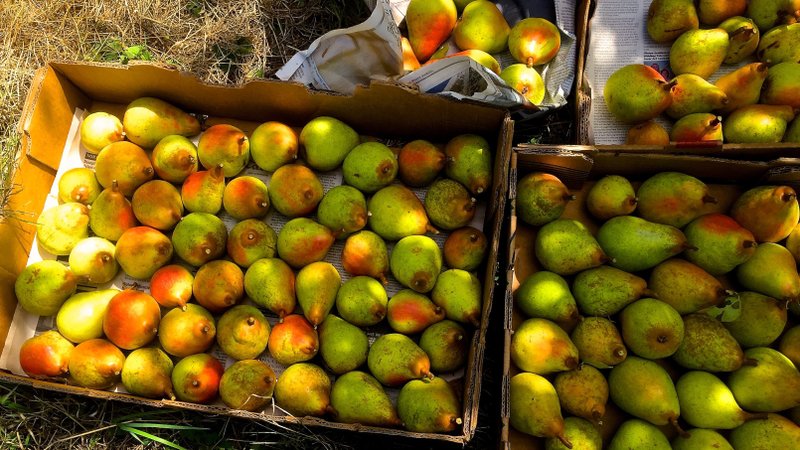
x=224, y=145
x=123, y=162
x=707, y=345
x=459, y=293
x=598, y=342
x=547, y=295
x=250, y=240
x=637, y=93
x=429, y=406
x=357, y=397
x=526, y=80
x=302, y=241
x=782, y=85
x=771, y=385
x=45, y=355
x=541, y=198
x=694, y=94
x=99, y=129
x=326, y=141
x=672, y=198
x=611, y=196
x=80, y=318
x=685, y=286
x=273, y=144
x=270, y=283
x=111, y=214
x=186, y=331
x=761, y=322
x=668, y=19
x=789, y=344
x=720, y=243
x=645, y=390
x=771, y=13
x=638, y=434
x=469, y=161
x=757, y=124
x=541, y=346
x=446, y=343
x=42, y=287
x=449, y=205
x=534, y=41
x=369, y=167
x=362, y=301
x=242, y=332
x=174, y=158
x=395, y=212
x=60, y=227
x=534, y=408
x=410, y=312
x=200, y=237
x=713, y=12
x=429, y=24
x=605, y=290
x=769, y=212
x=293, y=339
x=157, y=204
x=78, y=185
x=771, y=271
x=566, y=246
x=648, y=132
x=635, y=244
x=793, y=132
x=699, y=51
x=203, y=191
x=580, y=433
x=394, y=359
x=482, y=26
x=295, y=190
x=304, y=389
x=777, y=44
x=96, y=364
x=92, y=261
x=247, y=385
x=775, y=431
x=743, y=37
x=415, y=261
x=697, y=127
x=343, y=209
x=651, y=328
x=245, y=197
x=342, y=345
x=147, y=372
x=195, y=378
x=583, y=392
x=700, y=439
x=706, y=402
x=147, y=120
x=316, y=286
x=365, y=253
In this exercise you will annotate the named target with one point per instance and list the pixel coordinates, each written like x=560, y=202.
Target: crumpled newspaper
x=342, y=59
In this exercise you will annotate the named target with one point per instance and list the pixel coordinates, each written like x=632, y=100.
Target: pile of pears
x=674, y=304
x=477, y=29
x=185, y=209
x=755, y=101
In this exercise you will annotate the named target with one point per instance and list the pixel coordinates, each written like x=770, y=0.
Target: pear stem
x=564, y=440
x=674, y=422
x=749, y=362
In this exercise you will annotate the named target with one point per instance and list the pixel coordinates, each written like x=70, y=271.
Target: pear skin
x=469, y=161
x=782, y=85
x=157, y=204
x=693, y=94
x=294, y=190
x=534, y=407
x=410, y=61
x=123, y=162
x=395, y=212
x=651, y=328
x=776, y=45
x=365, y=253
x=446, y=343
x=195, y=378
x=707, y=345
x=304, y=389
x=685, y=286
x=395, y=359
x=202, y=191
x=96, y=364
x=566, y=246
x=410, y=312
x=99, y=129
x=369, y=166
x=758, y=123
x=637, y=93
x=80, y=318
x=111, y=214
x=247, y=385
x=770, y=385
x=668, y=19
x=700, y=438
x=526, y=80
x=174, y=158
x=645, y=390
x=534, y=41
x=479, y=56
x=273, y=144
x=142, y=250
x=325, y=142
x=343, y=209
x=415, y=261
x=302, y=241
x=776, y=431
x=771, y=271
x=358, y=397
x=465, y=248
x=540, y=346
x=789, y=344
x=598, y=342
x=761, y=322
x=768, y=14
x=449, y=205
x=713, y=12
x=226, y=145
x=635, y=244
x=316, y=286
x=78, y=185
x=242, y=332
x=481, y=26
x=742, y=86
x=459, y=293
x=270, y=283
x=429, y=24
x=769, y=212
x=218, y=285
x=342, y=345
x=720, y=243
x=147, y=120
x=541, y=198
x=419, y=162
x=647, y=133
x=636, y=433
x=60, y=228
x=697, y=127
x=583, y=392
x=45, y=355
x=293, y=339
x=672, y=198
x=184, y=332
x=743, y=37
x=362, y=301
x=547, y=295
x=245, y=197
x=199, y=237
x=250, y=240
x=42, y=287
x=699, y=51
x=171, y=286
x=793, y=132
x=429, y=406
x=611, y=196
x=131, y=319
x=605, y=290
x=580, y=433
x=147, y=372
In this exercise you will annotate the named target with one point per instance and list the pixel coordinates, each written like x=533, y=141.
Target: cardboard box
x=382, y=110
x=578, y=167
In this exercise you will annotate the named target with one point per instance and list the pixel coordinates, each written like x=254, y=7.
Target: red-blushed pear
x=302, y=241
x=171, y=286
x=647, y=133
x=713, y=12
x=242, y=332
x=196, y=378
x=99, y=129
x=769, y=212
x=174, y=158
x=429, y=23
x=759, y=123
x=245, y=197
x=673, y=198
x=218, y=285
x=686, y=287
x=185, y=332
x=226, y=145
x=479, y=56
x=247, y=385
x=273, y=144
x=147, y=372
x=125, y=162
x=419, y=162
x=304, y=389
x=693, y=94
x=742, y=86
x=782, y=86
x=293, y=340
x=365, y=253
x=250, y=240
x=157, y=204
x=202, y=191
x=525, y=80
x=410, y=61
x=636, y=93
x=142, y=250
x=534, y=41
x=131, y=319
x=720, y=243
x=295, y=190
x=465, y=248
x=147, y=120
x=96, y=364
x=45, y=355
x=111, y=213
x=482, y=26
x=78, y=185
x=447, y=345
x=410, y=312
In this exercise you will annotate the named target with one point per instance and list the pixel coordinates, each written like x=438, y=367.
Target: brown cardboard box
x=382, y=110
x=578, y=167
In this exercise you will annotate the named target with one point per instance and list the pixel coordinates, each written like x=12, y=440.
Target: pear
x=316, y=286
x=697, y=127
x=99, y=129
x=415, y=262
x=583, y=392
x=777, y=44
x=479, y=56
x=140, y=251
x=565, y=246
x=342, y=345
x=171, y=286
x=42, y=287
x=60, y=227
x=123, y=162
x=638, y=434
x=343, y=209
x=465, y=248
x=395, y=212
x=247, y=385
x=706, y=402
x=598, y=342
x=635, y=244
x=131, y=319
x=273, y=144
x=147, y=120
x=693, y=94
x=686, y=287
x=78, y=185
x=242, y=332
x=720, y=243
x=270, y=283
x=540, y=346
x=793, y=132
x=80, y=318
x=362, y=301
x=449, y=205
x=184, y=332
x=294, y=190
x=481, y=26
x=226, y=145
x=761, y=322
x=651, y=328
x=369, y=167
x=429, y=406
x=644, y=389
x=788, y=344
x=245, y=197
x=668, y=19
x=394, y=359
x=293, y=339
x=770, y=13
x=758, y=124
x=111, y=214
x=302, y=241
x=713, y=12
x=611, y=196
x=251, y=240
x=429, y=24
x=534, y=408
x=649, y=132
x=743, y=37
x=200, y=237
x=96, y=364
x=203, y=191
x=410, y=312
x=195, y=378
x=672, y=198
x=526, y=80
x=157, y=204
x=365, y=253
x=358, y=397
x=218, y=285
x=410, y=61
x=699, y=51
x=147, y=372
x=459, y=294
x=700, y=438
x=419, y=162
x=637, y=93
x=707, y=345
x=541, y=198
x=45, y=355
x=326, y=141
x=534, y=41
x=781, y=85
x=580, y=433
x=605, y=290
x=771, y=385
x=547, y=295
x=446, y=343
x=303, y=389
x=771, y=271
x=469, y=161
x=769, y=212
x=775, y=431
x=174, y=158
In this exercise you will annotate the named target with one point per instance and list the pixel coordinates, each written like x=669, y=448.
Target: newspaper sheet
x=342, y=59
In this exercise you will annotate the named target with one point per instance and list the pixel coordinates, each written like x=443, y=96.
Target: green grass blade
x=137, y=432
